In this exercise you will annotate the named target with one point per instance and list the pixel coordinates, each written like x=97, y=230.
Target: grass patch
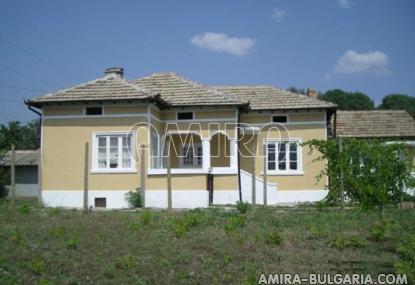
x=214, y=246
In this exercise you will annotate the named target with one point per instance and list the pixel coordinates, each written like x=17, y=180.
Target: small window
x=113, y=152
x=185, y=116
x=283, y=156
x=100, y=202
x=279, y=119
x=93, y=111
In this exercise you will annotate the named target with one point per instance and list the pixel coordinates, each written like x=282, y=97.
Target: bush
x=3, y=191
x=381, y=230
x=272, y=237
x=182, y=224
x=134, y=198
x=242, y=207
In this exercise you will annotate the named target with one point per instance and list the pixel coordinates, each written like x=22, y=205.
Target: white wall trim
x=96, y=117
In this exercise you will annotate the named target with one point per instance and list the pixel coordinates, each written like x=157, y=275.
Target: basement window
x=280, y=119
x=93, y=111
x=185, y=116
x=100, y=202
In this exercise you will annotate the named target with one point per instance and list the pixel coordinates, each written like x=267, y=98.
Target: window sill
x=279, y=173
x=112, y=171
x=163, y=171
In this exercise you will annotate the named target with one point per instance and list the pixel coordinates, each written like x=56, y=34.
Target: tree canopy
x=399, y=102
x=348, y=100
x=22, y=136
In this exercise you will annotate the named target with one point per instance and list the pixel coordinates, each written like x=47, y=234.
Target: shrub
x=72, y=243
x=242, y=207
x=380, y=231
x=134, y=198
x=146, y=218
x=341, y=241
x=233, y=223
x=406, y=263
x=182, y=224
x=37, y=266
x=272, y=237
x=25, y=209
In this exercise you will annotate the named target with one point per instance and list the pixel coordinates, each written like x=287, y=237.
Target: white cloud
x=218, y=42
x=346, y=4
x=352, y=62
x=278, y=14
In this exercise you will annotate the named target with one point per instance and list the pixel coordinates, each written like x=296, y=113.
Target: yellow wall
x=63, y=150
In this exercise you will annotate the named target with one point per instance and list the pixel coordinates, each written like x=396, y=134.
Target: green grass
x=56, y=246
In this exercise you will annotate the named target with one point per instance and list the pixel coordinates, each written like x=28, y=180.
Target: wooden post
x=86, y=170
x=341, y=174
x=13, y=176
x=169, y=198
x=143, y=177
x=39, y=178
x=253, y=185
x=265, y=175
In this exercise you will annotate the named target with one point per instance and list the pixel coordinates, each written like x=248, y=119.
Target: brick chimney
x=118, y=71
x=312, y=93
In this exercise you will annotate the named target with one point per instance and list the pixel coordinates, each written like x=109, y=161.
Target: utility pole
x=265, y=174
x=86, y=170
x=13, y=175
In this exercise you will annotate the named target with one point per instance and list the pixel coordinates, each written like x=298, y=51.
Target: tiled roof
x=269, y=97
x=110, y=87
x=174, y=90
x=375, y=124
x=179, y=91
x=22, y=157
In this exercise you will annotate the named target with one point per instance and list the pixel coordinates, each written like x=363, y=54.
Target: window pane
x=282, y=157
x=126, y=141
x=271, y=156
x=102, y=163
x=293, y=147
x=114, y=142
x=293, y=156
x=271, y=165
x=113, y=162
x=102, y=152
x=126, y=152
x=126, y=163
x=102, y=141
x=271, y=147
x=293, y=165
x=199, y=155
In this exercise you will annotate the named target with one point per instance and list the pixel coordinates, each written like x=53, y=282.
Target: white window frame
x=287, y=171
x=195, y=156
x=96, y=169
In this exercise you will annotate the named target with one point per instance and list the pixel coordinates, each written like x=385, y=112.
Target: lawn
x=213, y=246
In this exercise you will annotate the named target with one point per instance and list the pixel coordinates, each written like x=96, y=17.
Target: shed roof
x=23, y=158
x=375, y=124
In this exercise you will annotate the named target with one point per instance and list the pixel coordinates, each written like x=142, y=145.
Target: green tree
x=348, y=100
x=399, y=102
x=297, y=90
x=22, y=136
x=373, y=172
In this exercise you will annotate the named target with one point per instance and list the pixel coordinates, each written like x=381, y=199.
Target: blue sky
x=365, y=45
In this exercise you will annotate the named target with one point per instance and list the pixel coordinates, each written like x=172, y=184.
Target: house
x=26, y=170
x=192, y=127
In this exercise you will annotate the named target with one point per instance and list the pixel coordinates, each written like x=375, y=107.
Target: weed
x=342, y=241
x=380, y=231
x=146, y=218
x=25, y=209
x=227, y=259
x=54, y=211
x=37, y=266
x=234, y=222
x=242, y=207
x=272, y=237
x=406, y=263
x=109, y=272
x=182, y=224
x=57, y=232
x=126, y=262
x=72, y=242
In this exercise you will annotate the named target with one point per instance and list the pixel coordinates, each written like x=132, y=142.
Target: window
x=280, y=119
x=155, y=150
x=284, y=156
x=185, y=116
x=93, y=111
x=191, y=155
x=113, y=152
